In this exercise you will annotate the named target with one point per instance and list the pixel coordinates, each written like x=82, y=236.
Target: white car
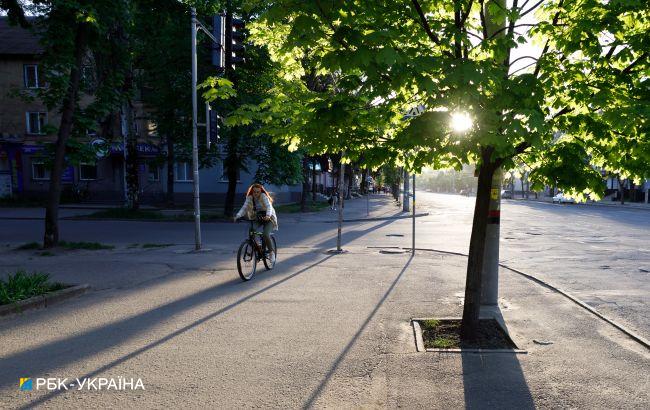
x=561, y=199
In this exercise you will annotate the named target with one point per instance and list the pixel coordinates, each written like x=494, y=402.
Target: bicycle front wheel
x=270, y=264
x=246, y=260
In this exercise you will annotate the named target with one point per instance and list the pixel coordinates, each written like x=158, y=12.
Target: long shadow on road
x=77, y=347
x=319, y=390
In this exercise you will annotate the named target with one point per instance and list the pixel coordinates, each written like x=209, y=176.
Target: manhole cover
x=392, y=251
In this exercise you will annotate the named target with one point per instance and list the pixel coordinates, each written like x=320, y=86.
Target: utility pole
x=341, y=197
x=195, y=148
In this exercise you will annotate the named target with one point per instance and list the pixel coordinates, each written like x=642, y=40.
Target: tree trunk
x=51, y=237
x=170, y=170
x=305, y=184
x=472, y=305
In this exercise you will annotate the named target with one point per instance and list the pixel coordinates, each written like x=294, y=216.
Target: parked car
x=506, y=194
x=561, y=199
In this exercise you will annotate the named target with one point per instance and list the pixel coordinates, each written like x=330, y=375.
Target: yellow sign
x=494, y=194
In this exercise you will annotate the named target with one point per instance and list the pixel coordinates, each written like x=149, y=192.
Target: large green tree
x=573, y=105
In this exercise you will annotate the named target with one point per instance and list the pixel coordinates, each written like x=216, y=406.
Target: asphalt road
x=599, y=254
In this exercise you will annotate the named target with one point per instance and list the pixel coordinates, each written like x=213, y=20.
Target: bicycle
x=251, y=251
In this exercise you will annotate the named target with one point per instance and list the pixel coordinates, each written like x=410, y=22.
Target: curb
x=590, y=204
x=43, y=300
x=379, y=218
x=626, y=331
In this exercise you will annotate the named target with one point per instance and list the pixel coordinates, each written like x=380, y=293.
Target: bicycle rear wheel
x=246, y=260
x=270, y=264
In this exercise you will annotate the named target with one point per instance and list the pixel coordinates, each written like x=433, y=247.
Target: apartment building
x=24, y=132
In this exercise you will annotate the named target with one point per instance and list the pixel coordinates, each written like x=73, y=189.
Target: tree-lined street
x=319, y=330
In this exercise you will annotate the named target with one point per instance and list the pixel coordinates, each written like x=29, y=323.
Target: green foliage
x=383, y=62
x=21, y=285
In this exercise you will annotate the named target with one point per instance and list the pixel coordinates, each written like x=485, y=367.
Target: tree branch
x=483, y=23
x=533, y=7
x=546, y=46
x=425, y=25
x=563, y=111
x=466, y=14
x=522, y=58
x=513, y=27
x=629, y=68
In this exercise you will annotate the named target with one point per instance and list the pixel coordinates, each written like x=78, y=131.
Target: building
x=25, y=131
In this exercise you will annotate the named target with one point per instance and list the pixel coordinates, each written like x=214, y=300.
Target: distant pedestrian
x=334, y=199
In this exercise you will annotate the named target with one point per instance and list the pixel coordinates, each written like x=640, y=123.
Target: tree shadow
x=74, y=348
x=495, y=380
x=319, y=389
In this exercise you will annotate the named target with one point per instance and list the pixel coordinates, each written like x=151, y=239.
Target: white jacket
x=264, y=204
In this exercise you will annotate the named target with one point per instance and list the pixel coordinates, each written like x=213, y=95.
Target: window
x=87, y=171
x=40, y=172
x=154, y=173
x=36, y=122
x=30, y=76
x=183, y=172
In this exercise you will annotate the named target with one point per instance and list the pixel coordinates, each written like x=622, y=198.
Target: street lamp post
x=195, y=148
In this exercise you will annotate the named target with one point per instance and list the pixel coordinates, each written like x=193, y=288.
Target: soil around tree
x=445, y=334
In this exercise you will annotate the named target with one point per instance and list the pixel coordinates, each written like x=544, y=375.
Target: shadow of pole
x=172, y=335
x=318, y=391
x=495, y=380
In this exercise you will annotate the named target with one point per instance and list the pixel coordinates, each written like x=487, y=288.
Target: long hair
x=260, y=186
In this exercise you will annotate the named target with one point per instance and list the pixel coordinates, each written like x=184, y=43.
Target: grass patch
x=156, y=245
x=125, y=213
x=46, y=253
x=29, y=246
x=295, y=207
x=133, y=245
x=445, y=334
x=443, y=343
x=90, y=246
x=22, y=285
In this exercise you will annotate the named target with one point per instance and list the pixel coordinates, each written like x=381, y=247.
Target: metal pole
x=367, y=196
x=195, y=148
x=341, y=196
x=207, y=125
x=413, y=250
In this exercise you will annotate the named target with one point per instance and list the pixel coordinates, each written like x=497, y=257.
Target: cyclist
x=259, y=207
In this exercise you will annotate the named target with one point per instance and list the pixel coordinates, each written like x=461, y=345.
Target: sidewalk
x=319, y=331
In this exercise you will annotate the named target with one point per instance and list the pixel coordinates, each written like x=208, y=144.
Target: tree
x=455, y=59
x=69, y=32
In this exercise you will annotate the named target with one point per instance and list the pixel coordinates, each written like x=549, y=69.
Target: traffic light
x=219, y=33
x=237, y=37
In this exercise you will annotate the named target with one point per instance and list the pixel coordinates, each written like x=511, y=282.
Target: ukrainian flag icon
x=25, y=383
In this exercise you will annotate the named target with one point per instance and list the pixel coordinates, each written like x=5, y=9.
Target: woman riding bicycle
x=259, y=207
